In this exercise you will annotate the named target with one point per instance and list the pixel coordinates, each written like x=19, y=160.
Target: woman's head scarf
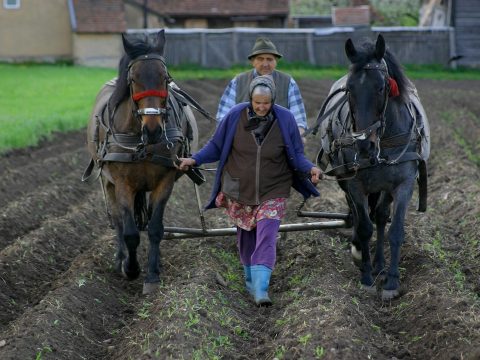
x=265, y=81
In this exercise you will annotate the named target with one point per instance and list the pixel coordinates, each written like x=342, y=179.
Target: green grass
x=306, y=71
x=38, y=100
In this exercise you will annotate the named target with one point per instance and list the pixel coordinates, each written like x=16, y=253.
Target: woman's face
x=261, y=104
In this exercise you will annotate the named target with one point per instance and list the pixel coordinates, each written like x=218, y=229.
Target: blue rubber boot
x=260, y=281
x=248, y=278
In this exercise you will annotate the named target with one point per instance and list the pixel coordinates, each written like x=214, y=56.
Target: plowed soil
x=61, y=299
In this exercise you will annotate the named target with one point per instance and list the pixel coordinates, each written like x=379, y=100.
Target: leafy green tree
x=385, y=12
x=315, y=7
x=396, y=13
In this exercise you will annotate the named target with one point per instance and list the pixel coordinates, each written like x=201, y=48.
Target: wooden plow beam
x=342, y=221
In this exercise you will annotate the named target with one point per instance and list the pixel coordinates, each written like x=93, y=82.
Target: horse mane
x=121, y=89
x=138, y=45
x=366, y=53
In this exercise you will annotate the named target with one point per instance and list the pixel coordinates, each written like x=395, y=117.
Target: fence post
x=203, y=48
x=311, y=53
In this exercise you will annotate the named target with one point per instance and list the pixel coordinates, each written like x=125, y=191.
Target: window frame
x=8, y=6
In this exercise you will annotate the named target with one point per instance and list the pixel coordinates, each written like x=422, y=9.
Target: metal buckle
x=151, y=111
x=361, y=135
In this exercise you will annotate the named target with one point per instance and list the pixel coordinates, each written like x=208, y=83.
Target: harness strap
x=364, y=134
x=321, y=115
x=342, y=142
x=136, y=157
x=183, y=97
x=148, y=93
x=351, y=168
x=88, y=175
x=396, y=140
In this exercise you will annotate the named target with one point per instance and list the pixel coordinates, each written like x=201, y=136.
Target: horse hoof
x=369, y=289
x=130, y=274
x=390, y=294
x=150, y=288
x=119, y=267
x=356, y=256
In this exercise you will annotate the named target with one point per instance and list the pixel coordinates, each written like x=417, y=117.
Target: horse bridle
x=157, y=93
x=379, y=124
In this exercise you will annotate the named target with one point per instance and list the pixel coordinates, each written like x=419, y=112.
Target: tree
x=384, y=12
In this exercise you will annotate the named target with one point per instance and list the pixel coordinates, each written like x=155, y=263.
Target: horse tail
x=141, y=210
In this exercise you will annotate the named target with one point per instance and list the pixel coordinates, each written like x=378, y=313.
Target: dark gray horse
x=140, y=125
x=375, y=140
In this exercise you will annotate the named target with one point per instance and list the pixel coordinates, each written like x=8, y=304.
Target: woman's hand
x=316, y=175
x=185, y=163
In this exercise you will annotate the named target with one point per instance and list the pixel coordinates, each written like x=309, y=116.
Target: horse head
x=147, y=78
x=368, y=88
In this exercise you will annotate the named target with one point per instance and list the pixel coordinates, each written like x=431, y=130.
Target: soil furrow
x=61, y=299
x=58, y=143
x=29, y=265
x=27, y=212
x=16, y=181
x=80, y=316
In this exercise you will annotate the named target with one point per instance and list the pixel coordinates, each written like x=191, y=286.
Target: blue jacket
x=219, y=146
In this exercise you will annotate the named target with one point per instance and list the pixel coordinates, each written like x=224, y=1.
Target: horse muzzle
x=151, y=136
x=152, y=124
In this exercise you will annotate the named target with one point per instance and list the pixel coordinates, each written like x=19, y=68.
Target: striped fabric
x=295, y=102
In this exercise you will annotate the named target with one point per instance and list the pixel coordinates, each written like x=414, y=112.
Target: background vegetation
x=385, y=12
x=37, y=100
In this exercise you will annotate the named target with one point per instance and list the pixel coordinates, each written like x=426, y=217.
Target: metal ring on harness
x=151, y=111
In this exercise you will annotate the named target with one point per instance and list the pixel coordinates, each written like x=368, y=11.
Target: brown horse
x=137, y=131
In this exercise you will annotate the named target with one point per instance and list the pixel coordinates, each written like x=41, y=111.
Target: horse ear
x=380, y=47
x=160, y=45
x=350, y=50
x=127, y=46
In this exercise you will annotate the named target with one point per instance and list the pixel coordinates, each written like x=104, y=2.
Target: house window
x=11, y=4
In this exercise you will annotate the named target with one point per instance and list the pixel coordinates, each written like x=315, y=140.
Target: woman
x=261, y=157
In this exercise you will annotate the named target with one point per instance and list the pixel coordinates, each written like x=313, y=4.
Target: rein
x=321, y=115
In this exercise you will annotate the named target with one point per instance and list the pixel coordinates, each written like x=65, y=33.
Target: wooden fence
x=223, y=48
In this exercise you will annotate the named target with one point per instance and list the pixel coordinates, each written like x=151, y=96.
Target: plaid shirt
x=295, y=102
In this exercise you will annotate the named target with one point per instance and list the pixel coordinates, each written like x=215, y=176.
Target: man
x=264, y=58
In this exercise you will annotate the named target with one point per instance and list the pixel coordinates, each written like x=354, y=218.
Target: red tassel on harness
x=393, y=87
x=147, y=93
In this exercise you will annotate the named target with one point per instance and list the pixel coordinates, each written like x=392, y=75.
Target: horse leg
x=382, y=214
x=116, y=221
x=131, y=236
x=158, y=199
x=363, y=230
x=373, y=199
x=356, y=249
x=396, y=236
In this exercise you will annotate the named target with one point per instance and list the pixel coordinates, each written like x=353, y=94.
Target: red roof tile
x=99, y=16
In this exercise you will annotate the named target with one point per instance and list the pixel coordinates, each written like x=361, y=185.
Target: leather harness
x=130, y=148
x=344, y=170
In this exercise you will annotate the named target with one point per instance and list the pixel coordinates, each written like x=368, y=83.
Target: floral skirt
x=247, y=216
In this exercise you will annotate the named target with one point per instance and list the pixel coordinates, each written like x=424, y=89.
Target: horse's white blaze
x=357, y=255
x=363, y=78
